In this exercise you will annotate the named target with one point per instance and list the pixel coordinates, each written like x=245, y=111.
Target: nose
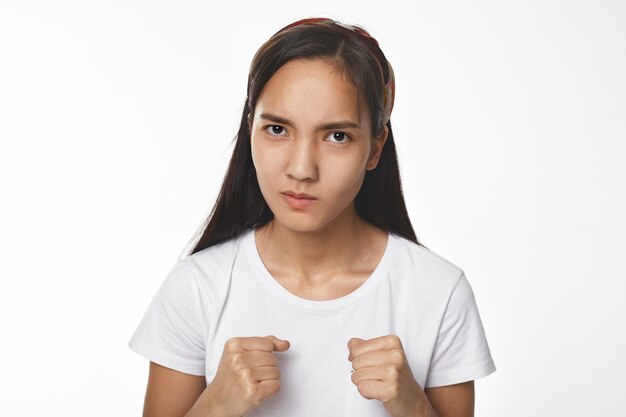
x=302, y=160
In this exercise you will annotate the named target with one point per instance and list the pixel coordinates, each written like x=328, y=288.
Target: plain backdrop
x=116, y=127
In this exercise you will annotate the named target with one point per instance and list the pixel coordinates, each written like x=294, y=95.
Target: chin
x=311, y=219
x=298, y=225
x=303, y=222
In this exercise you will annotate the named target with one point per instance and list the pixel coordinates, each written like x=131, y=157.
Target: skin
x=317, y=244
x=321, y=252
x=171, y=393
x=381, y=372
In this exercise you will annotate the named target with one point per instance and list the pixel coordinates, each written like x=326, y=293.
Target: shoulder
x=421, y=264
x=210, y=269
x=219, y=256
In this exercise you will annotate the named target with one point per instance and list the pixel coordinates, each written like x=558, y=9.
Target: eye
x=342, y=137
x=339, y=138
x=274, y=131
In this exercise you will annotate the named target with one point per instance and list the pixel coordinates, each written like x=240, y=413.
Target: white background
x=116, y=121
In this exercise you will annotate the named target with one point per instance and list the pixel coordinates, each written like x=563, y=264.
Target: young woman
x=308, y=293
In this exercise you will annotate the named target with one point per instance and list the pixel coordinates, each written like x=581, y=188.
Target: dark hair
x=240, y=204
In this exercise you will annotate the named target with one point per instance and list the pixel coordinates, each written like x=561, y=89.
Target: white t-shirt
x=226, y=291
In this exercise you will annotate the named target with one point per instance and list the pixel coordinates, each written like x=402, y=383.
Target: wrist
x=424, y=409
x=205, y=405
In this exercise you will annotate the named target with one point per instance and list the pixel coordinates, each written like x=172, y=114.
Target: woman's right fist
x=246, y=375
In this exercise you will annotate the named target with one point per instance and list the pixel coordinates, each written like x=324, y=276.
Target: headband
x=389, y=90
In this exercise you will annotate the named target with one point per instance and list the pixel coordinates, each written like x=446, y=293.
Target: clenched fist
x=246, y=375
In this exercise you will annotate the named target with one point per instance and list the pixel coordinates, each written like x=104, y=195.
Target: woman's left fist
x=382, y=372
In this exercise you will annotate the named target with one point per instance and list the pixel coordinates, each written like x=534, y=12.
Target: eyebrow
x=344, y=124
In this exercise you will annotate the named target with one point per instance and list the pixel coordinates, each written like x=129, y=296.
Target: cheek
x=266, y=163
x=344, y=177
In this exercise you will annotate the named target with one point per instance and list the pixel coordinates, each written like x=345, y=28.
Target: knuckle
x=267, y=359
x=231, y=344
x=236, y=359
x=244, y=378
x=274, y=388
x=363, y=390
x=392, y=373
x=251, y=394
x=245, y=374
x=397, y=356
x=394, y=390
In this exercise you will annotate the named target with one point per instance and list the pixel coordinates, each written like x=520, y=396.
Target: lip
x=299, y=195
x=298, y=203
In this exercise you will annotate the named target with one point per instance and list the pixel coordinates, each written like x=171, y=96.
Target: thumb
x=279, y=344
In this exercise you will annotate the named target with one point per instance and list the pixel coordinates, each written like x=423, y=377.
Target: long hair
x=240, y=204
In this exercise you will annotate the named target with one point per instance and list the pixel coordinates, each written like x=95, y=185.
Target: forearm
x=205, y=406
x=200, y=409
x=426, y=409
x=429, y=411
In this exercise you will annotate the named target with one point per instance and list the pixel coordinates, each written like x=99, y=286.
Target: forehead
x=310, y=90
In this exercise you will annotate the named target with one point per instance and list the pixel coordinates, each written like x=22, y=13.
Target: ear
x=377, y=149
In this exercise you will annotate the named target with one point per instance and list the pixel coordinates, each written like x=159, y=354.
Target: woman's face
x=308, y=136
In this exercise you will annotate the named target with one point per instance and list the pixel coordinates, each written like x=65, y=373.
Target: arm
x=171, y=393
x=247, y=375
x=452, y=400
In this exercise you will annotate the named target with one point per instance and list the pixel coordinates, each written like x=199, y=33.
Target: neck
x=315, y=255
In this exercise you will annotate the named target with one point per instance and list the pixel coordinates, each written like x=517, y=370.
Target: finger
x=379, y=343
x=264, y=373
x=374, y=373
x=373, y=390
x=279, y=344
x=267, y=344
x=243, y=359
x=269, y=387
x=259, y=358
x=379, y=358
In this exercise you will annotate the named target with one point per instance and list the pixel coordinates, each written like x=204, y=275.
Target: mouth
x=299, y=195
x=298, y=203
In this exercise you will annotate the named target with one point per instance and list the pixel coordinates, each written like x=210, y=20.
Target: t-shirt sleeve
x=461, y=352
x=173, y=331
